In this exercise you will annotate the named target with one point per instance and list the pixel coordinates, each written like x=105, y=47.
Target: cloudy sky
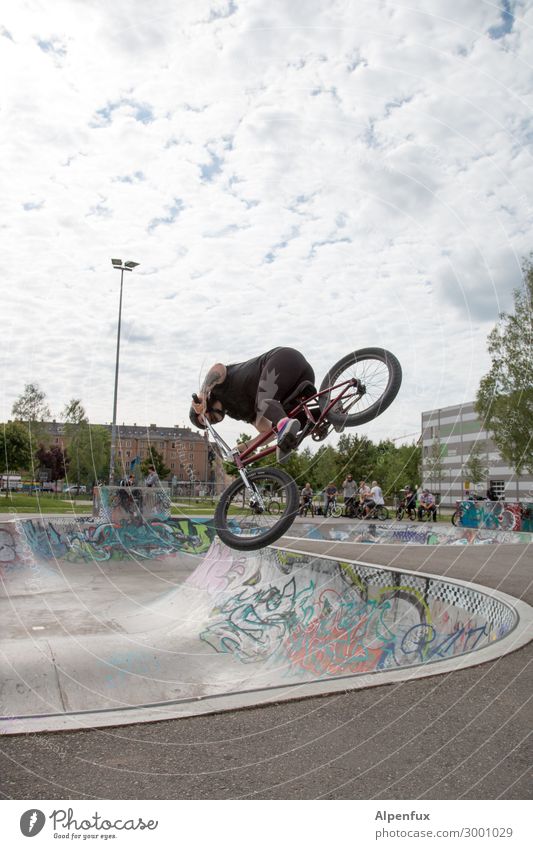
x=326, y=175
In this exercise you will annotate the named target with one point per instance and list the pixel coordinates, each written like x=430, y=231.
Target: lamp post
x=122, y=267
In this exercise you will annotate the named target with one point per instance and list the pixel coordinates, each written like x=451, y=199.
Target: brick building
x=187, y=453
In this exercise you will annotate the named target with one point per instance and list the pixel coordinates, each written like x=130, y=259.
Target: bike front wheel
x=243, y=523
x=382, y=513
x=379, y=376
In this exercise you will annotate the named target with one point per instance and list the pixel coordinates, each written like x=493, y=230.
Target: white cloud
x=328, y=176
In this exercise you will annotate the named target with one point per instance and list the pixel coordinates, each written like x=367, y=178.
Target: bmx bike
x=378, y=512
x=357, y=389
x=333, y=510
x=307, y=506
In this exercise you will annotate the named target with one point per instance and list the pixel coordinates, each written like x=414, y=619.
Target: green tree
x=434, y=467
x=398, y=466
x=78, y=437
x=31, y=409
x=475, y=467
x=356, y=455
x=15, y=449
x=504, y=400
x=31, y=406
x=155, y=459
x=89, y=445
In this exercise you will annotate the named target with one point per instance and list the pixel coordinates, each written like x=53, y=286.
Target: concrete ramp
x=95, y=633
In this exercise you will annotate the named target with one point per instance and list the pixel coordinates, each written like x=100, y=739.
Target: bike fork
x=258, y=500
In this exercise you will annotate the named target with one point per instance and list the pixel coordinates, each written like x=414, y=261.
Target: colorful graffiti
x=343, y=619
x=496, y=515
x=411, y=534
x=14, y=550
x=88, y=542
x=130, y=503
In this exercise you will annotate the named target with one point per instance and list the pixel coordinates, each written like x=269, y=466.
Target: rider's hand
x=199, y=406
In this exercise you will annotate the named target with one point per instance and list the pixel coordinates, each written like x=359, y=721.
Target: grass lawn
x=51, y=503
x=41, y=503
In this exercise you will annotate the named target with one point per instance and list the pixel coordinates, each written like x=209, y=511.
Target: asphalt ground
x=461, y=735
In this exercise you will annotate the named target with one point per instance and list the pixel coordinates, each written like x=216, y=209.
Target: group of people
x=367, y=496
x=420, y=504
x=151, y=479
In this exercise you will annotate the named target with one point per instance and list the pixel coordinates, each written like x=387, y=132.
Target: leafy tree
x=356, y=455
x=32, y=409
x=155, y=459
x=15, y=448
x=89, y=445
x=31, y=406
x=475, y=467
x=55, y=459
x=505, y=397
x=74, y=412
x=397, y=467
x=434, y=464
x=78, y=436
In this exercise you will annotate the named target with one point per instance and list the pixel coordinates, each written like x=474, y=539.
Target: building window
x=497, y=488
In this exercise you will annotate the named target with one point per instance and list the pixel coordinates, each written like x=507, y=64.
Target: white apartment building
x=452, y=433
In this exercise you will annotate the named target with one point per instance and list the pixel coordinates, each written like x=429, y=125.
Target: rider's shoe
x=288, y=430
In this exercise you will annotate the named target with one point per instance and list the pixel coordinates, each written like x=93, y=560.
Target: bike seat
x=304, y=390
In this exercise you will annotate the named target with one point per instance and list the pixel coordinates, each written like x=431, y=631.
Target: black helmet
x=195, y=419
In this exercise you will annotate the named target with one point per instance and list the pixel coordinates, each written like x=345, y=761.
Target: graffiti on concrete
x=14, y=550
x=85, y=542
x=346, y=621
x=253, y=624
x=495, y=515
x=409, y=535
x=130, y=503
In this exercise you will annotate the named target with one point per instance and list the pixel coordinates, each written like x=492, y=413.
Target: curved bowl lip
x=518, y=636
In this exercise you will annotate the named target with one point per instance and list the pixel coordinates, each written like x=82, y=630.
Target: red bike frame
x=249, y=455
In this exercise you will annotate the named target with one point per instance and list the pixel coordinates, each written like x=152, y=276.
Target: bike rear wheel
x=381, y=375
x=242, y=523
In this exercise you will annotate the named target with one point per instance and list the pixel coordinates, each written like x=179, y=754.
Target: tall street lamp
x=122, y=267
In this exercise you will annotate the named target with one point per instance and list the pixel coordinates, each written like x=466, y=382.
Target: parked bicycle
x=378, y=512
x=306, y=507
x=333, y=509
x=403, y=510
x=355, y=390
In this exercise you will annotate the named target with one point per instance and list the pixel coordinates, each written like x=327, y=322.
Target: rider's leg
x=283, y=371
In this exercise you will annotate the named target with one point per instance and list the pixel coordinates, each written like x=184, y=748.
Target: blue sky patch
x=506, y=23
x=173, y=212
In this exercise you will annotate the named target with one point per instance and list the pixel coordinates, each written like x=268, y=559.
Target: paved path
x=446, y=737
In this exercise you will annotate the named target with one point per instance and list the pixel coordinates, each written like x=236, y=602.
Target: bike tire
x=382, y=513
x=336, y=513
x=274, y=508
x=387, y=384
x=231, y=532
x=399, y=515
x=455, y=518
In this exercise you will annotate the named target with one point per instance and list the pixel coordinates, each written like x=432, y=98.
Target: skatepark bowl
x=114, y=623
